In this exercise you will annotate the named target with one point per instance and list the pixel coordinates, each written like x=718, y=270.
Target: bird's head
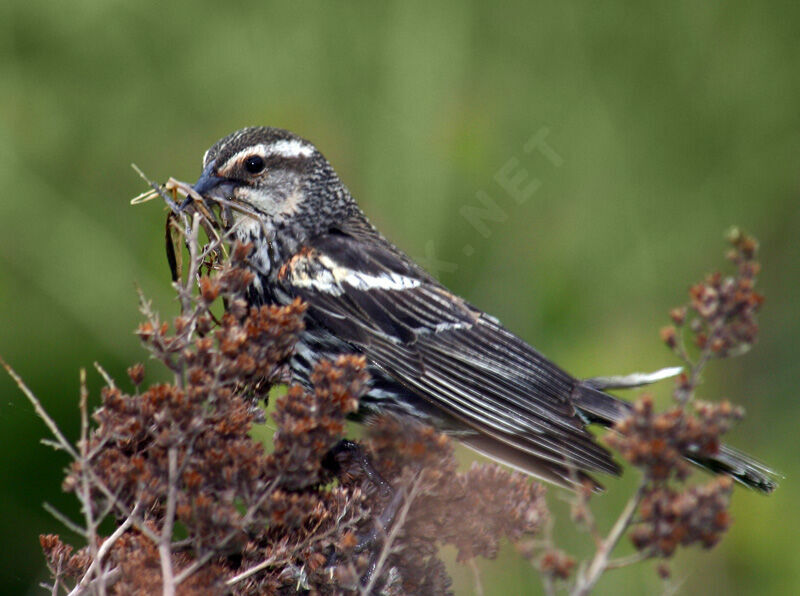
x=274, y=175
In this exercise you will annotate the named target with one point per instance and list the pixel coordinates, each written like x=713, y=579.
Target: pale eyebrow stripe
x=288, y=148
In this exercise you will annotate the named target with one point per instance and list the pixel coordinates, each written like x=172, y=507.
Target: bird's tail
x=600, y=407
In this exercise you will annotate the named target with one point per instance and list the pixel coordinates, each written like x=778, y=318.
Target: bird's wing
x=442, y=349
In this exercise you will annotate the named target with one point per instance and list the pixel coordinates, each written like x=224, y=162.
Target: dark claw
x=348, y=459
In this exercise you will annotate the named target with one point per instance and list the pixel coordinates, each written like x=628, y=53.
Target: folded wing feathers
x=452, y=355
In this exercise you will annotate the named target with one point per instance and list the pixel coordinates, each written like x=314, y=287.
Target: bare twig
x=40, y=411
x=251, y=571
x=636, y=557
x=106, y=578
x=106, y=377
x=84, y=409
x=392, y=536
x=269, y=561
x=103, y=551
x=64, y=519
x=599, y=563
x=85, y=490
x=54, y=445
x=156, y=189
x=476, y=575
x=548, y=584
x=165, y=542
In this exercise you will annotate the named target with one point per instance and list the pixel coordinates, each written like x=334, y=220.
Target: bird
x=430, y=354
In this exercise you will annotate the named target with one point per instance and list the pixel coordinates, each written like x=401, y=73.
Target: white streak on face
x=282, y=198
x=288, y=148
x=290, y=204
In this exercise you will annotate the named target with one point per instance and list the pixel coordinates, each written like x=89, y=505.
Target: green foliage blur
x=667, y=123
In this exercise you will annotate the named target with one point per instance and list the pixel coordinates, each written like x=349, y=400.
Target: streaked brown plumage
x=431, y=354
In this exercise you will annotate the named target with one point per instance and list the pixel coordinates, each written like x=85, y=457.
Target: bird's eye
x=254, y=164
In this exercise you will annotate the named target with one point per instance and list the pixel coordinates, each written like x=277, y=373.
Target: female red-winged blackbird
x=431, y=355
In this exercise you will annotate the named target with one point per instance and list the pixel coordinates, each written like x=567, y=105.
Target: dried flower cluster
x=470, y=510
x=310, y=424
x=201, y=507
x=657, y=442
x=556, y=564
x=671, y=518
x=723, y=324
x=671, y=514
x=721, y=313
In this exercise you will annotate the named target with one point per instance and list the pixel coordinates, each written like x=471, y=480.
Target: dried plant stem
x=549, y=585
x=396, y=527
x=251, y=571
x=583, y=516
x=85, y=494
x=271, y=560
x=185, y=291
x=588, y=578
x=156, y=189
x=684, y=395
x=54, y=591
x=202, y=560
x=629, y=560
x=104, y=373
x=102, y=551
x=40, y=411
x=71, y=525
x=476, y=574
x=106, y=578
x=165, y=543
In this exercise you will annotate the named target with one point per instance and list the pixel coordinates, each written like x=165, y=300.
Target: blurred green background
x=670, y=123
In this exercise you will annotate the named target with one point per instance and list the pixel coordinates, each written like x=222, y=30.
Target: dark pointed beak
x=207, y=184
